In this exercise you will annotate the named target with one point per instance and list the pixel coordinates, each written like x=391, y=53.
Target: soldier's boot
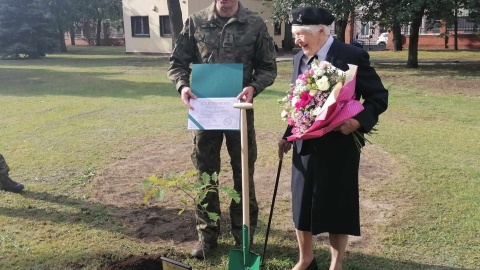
x=8, y=184
x=204, y=249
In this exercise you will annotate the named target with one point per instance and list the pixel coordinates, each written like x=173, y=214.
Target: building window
x=365, y=30
x=430, y=27
x=465, y=26
x=277, y=29
x=140, y=27
x=165, y=29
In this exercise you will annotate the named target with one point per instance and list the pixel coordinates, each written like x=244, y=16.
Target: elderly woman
x=325, y=197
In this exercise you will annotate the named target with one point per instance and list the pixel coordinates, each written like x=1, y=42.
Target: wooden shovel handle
x=245, y=172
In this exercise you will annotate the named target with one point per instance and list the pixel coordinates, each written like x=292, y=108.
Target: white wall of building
x=157, y=44
x=153, y=9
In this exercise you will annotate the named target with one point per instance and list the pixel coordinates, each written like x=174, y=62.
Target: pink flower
x=304, y=100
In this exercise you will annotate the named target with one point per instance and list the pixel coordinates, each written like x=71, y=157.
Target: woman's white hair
x=313, y=29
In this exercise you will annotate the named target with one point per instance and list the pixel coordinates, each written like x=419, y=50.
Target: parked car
x=358, y=43
x=382, y=39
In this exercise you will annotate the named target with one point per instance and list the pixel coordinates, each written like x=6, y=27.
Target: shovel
x=244, y=259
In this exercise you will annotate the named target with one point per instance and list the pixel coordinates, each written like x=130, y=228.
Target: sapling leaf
x=147, y=184
x=201, y=196
x=205, y=178
x=187, y=182
x=213, y=216
x=214, y=177
x=160, y=195
x=232, y=193
x=170, y=183
x=147, y=197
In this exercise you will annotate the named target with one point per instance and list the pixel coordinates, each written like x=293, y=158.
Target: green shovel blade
x=243, y=259
x=236, y=260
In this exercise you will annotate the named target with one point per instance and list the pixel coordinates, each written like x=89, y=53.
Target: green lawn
x=69, y=115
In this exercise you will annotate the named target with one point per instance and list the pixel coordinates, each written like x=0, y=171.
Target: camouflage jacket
x=243, y=39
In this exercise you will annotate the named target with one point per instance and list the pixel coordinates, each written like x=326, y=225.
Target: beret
x=311, y=16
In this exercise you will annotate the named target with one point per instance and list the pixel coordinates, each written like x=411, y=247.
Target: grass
x=69, y=115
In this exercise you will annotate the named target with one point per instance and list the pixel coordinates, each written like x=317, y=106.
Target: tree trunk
x=72, y=35
x=412, y=61
x=352, y=26
x=288, y=43
x=176, y=21
x=99, y=32
x=61, y=39
x=455, y=31
x=397, y=36
x=341, y=26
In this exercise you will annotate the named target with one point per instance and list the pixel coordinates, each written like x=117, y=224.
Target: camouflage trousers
x=4, y=169
x=206, y=158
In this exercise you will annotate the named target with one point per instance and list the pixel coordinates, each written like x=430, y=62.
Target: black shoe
x=8, y=184
x=313, y=265
x=203, y=249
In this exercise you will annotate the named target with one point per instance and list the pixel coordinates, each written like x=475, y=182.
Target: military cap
x=311, y=16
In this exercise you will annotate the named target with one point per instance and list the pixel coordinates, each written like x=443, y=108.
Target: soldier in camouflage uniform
x=225, y=32
x=6, y=183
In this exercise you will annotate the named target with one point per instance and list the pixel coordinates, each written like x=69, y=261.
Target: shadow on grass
x=113, y=61
x=42, y=82
x=141, y=222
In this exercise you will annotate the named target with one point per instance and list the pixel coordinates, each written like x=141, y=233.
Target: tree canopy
x=391, y=14
x=25, y=29
x=31, y=28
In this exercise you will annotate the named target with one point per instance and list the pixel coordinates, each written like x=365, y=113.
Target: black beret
x=311, y=16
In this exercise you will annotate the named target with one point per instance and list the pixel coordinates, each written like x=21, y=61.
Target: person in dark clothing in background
x=6, y=183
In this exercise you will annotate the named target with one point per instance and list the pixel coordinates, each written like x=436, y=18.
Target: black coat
x=325, y=170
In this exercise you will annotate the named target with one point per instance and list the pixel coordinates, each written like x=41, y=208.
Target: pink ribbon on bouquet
x=335, y=112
